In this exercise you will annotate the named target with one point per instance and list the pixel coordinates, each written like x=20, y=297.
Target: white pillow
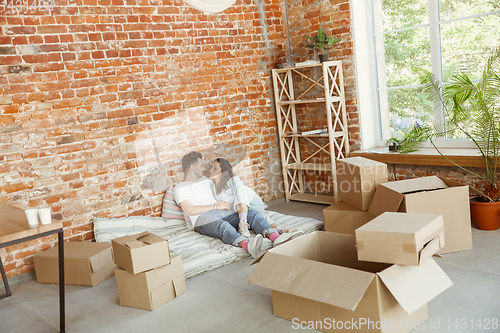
x=106, y=229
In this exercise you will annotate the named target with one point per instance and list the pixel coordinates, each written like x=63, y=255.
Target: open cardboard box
x=151, y=289
x=85, y=264
x=430, y=195
x=342, y=218
x=400, y=238
x=357, y=179
x=141, y=252
x=318, y=279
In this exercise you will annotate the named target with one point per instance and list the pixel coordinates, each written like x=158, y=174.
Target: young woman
x=231, y=189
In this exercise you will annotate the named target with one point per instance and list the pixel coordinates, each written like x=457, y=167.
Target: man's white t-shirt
x=199, y=193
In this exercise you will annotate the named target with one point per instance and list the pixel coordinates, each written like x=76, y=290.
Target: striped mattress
x=199, y=253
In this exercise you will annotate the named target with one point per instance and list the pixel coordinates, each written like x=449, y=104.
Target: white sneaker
x=285, y=237
x=255, y=246
x=243, y=227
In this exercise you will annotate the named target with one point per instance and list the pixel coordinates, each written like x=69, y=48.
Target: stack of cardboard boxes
x=374, y=272
x=148, y=276
x=318, y=282
x=357, y=179
x=379, y=281
x=365, y=192
x=430, y=195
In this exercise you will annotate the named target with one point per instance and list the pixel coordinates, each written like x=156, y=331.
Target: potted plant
x=473, y=109
x=322, y=43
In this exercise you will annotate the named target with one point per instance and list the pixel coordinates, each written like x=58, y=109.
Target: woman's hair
x=226, y=174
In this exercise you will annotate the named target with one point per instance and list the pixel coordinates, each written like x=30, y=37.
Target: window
x=443, y=36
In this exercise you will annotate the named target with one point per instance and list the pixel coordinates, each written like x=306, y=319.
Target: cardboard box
x=344, y=219
x=141, y=252
x=430, y=195
x=357, y=179
x=400, y=238
x=148, y=290
x=317, y=278
x=85, y=264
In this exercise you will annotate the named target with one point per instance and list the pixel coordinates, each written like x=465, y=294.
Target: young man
x=217, y=218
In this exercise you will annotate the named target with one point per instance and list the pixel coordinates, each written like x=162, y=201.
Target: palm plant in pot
x=322, y=43
x=472, y=109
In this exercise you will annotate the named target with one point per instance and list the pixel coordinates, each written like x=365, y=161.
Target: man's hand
x=222, y=205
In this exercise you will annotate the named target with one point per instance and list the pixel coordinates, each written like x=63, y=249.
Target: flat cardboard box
x=342, y=218
x=151, y=289
x=317, y=278
x=85, y=264
x=141, y=252
x=357, y=179
x=400, y=238
x=430, y=195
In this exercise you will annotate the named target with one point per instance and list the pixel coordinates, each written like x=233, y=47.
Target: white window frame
x=367, y=32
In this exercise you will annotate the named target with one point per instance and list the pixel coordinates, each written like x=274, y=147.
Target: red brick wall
x=99, y=100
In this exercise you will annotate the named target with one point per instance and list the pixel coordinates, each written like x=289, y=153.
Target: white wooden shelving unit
x=332, y=99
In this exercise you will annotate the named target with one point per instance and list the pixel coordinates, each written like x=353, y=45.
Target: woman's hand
x=222, y=205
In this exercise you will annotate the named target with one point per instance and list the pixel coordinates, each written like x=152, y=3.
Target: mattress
x=199, y=253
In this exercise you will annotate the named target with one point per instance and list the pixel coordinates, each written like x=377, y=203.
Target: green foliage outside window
x=464, y=46
x=472, y=109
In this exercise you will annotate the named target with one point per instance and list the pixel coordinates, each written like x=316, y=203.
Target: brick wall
x=99, y=100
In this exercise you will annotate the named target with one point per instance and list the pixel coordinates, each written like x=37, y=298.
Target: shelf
x=316, y=131
x=291, y=68
x=333, y=99
x=334, y=134
x=300, y=135
x=312, y=197
x=329, y=106
x=322, y=135
x=424, y=156
x=310, y=167
x=303, y=101
x=327, y=63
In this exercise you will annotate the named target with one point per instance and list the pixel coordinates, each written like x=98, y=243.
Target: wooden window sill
x=424, y=156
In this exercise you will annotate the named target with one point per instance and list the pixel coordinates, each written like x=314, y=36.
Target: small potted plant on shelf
x=322, y=43
x=472, y=109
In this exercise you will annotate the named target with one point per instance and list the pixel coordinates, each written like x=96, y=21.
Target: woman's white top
x=237, y=193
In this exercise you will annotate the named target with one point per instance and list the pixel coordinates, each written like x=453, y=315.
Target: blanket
x=199, y=253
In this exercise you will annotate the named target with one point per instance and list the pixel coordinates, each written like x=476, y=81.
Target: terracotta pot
x=485, y=215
